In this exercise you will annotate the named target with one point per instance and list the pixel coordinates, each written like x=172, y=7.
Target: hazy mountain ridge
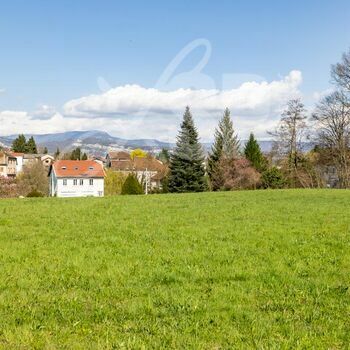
x=100, y=142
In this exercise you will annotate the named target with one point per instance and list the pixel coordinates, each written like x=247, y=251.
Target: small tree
x=139, y=153
x=19, y=144
x=57, y=153
x=45, y=150
x=164, y=156
x=132, y=185
x=33, y=177
x=273, y=178
x=226, y=145
x=84, y=156
x=114, y=182
x=253, y=153
x=31, y=146
x=238, y=174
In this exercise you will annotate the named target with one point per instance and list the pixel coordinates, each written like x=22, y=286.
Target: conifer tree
x=31, y=146
x=57, y=153
x=132, y=185
x=84, y=156
x=19, y=144
x=226, y=146
x=186, y=163
x=253, y=153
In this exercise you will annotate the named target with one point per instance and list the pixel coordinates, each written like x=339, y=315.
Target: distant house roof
x=138, y=164
x=77, y=168
x=118, y=155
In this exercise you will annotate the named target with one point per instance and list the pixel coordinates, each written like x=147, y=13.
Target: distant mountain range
x=100, y=142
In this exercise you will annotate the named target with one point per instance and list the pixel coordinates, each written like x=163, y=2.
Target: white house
x=76, y=178
x=19, y=160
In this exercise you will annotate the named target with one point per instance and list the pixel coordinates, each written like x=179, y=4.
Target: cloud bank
x=133, y=111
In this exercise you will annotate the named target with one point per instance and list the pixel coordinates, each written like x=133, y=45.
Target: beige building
x=8, y=164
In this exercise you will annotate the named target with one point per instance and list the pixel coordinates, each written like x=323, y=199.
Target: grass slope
x=264, y=269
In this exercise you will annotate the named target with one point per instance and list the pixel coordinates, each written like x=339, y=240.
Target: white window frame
x=75, y=182
x=91, y=182
x=81, y=182
x=64, y=182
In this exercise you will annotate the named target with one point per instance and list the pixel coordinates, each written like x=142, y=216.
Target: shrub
x=114, y=182
x=35, y=193
x=8, y=188
x=132, y=185
x=33, y=177
x=238, y=174
x=273, y=178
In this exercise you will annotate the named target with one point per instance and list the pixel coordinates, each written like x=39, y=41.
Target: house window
x=81, y=182
x=75, y=182
x=91, y=182
x=64, y=182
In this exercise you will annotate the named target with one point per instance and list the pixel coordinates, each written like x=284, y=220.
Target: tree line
x=229, y=167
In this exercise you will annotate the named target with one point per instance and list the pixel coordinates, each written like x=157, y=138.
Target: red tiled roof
x=78, y=168
x=17, y=154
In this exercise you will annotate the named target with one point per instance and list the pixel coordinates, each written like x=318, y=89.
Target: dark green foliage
x=186, y=162
x=165, y=184
x=45, y=150
x=253, y=153
x=164, y=156
x=57, y=153
x=31, y=146
x=35, y=193
x=273, y=178
x=226, y=145
x=76, y=154
x=84, y=156
x=19, y=144
x=132, y=185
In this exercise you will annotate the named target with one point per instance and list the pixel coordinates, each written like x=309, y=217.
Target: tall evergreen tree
x=230, y=141
x=19, y=144
x=253, y=153
x=57, y=153
x=226, y=146
x=186, y=163
x=31, y=146
x=84, y=156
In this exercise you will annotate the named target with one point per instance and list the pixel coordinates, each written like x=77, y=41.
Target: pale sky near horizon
x=130, y=68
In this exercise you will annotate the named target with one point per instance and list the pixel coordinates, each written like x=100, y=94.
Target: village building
x=8, y=164
x=76, y=178
x=148, y=170
x=25, y=159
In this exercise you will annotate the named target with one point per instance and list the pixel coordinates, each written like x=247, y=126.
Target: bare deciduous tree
x=332, y=116
x=341, y=72
x=290, y=134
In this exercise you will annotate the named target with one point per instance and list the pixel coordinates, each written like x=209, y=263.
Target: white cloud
x=132, y=111
x=251, y=98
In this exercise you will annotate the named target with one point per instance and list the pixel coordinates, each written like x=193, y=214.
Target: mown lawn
x=263, y=269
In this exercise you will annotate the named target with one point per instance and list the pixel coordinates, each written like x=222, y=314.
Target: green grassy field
x=263, y=269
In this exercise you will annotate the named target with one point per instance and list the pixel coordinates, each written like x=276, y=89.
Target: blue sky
x=53, y=52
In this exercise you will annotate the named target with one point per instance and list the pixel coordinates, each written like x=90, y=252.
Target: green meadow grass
x=256, y=269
